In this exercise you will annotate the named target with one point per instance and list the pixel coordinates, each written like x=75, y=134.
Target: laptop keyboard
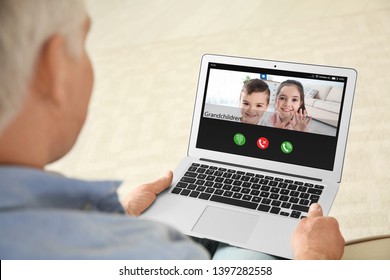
x=255, y=191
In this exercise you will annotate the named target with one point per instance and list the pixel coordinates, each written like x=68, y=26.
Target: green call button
x=239, y=139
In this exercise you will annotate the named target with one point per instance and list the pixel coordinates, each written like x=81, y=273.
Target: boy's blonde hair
x=25, y=26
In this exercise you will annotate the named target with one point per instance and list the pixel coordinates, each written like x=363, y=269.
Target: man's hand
x=317, y=237
x=141, y=197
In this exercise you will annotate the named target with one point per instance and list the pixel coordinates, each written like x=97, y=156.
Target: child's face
x=288, y=101
x=253, y=106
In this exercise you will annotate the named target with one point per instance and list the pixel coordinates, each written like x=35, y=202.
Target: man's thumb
x=162, y=183
x=315, y=210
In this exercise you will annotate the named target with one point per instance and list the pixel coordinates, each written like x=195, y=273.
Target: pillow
x=322, y=91
x=309, y=92
x=310, y=101
x=335, y=94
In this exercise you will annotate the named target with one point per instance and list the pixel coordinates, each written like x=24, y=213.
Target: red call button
x=262, y=143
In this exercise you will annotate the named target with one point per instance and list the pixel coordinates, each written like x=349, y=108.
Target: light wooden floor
x=146, y=58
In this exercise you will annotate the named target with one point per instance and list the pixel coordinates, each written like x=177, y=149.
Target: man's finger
x=315, y=210
x=161, y=184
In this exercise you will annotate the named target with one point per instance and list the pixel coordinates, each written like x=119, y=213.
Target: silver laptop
x=249, y=175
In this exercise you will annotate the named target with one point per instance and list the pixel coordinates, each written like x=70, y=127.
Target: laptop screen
x=272, y=114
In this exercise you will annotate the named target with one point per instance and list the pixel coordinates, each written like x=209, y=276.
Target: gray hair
x=25, y=26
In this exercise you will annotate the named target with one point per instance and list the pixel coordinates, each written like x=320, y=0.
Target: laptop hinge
x=260, y=169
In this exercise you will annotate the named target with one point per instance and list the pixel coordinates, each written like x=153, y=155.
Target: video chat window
x=285, y=102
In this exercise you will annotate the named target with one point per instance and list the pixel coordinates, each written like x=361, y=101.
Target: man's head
x=45, y=74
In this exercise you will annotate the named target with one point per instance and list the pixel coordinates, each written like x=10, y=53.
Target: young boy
x=254, y=101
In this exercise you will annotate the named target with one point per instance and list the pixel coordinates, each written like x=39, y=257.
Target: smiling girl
x=290, y=111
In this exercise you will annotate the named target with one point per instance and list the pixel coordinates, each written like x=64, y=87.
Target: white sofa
x=323, y=103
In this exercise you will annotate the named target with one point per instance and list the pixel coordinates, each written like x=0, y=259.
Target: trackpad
x=226, y=224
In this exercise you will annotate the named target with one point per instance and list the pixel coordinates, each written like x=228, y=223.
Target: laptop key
x=205, y=196
x=191, y=174
x=314, y=198
x=237, y=195
x=302, y=189
x=273, y=183
x=181, y=185
x=295, y=214
x=201, y=170
x=237, y=183
x=284, y=198
x=286, y=205
x=304, y=195
x=188, y=180
x=314, y=191
x=300, y=208
x=209, y=172
x=218, y=192
x=275, y=203
x=255, y=192
x=245, y=191
x=209, y=190
x=176, y=190
x=191, y=187
x=227, y=187
x=200, y=182
x=185, y=192
x=192, y=168
x=194, y=194
x=228, y=193
x=275, y=210
x=245, y=178
x=264, y=208
x=266, y=201
x=235, y=202
x=304, y=202
x=208, y=184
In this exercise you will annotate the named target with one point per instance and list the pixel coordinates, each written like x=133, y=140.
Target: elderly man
x=45, y=85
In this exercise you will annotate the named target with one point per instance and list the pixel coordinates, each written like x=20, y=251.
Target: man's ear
x=47, y=81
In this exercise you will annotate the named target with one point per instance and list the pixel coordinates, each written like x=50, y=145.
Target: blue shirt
x=45, y=215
